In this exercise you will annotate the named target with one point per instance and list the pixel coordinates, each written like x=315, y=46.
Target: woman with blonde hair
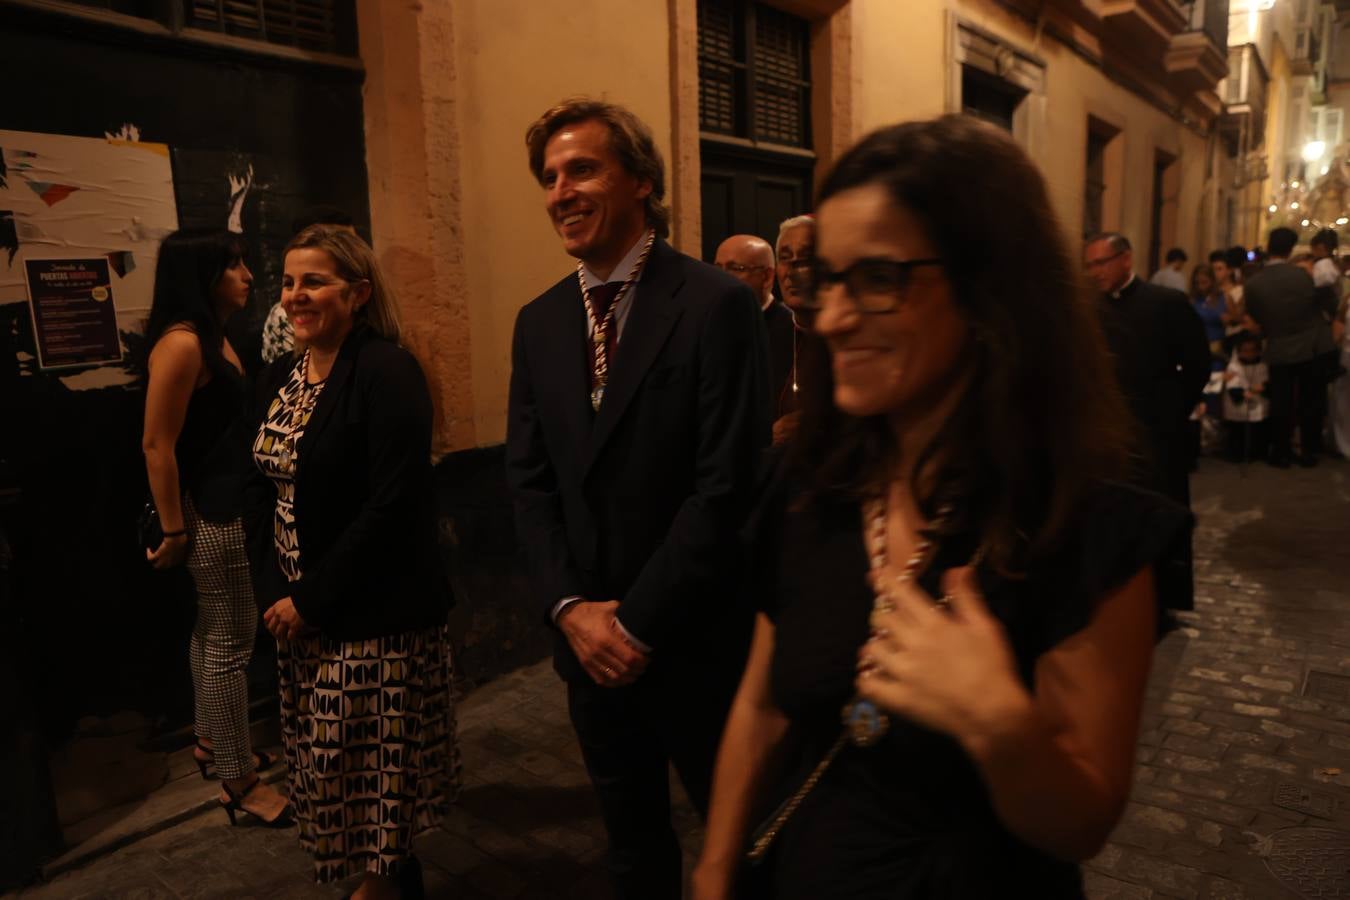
x=342, y=538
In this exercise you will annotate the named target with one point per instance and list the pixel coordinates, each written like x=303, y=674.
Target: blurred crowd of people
x=1275, y=320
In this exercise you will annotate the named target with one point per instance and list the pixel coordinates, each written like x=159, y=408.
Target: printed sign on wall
x=104, y=203
x=74, y=317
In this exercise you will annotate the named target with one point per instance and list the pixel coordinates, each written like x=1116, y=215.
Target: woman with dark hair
x=341, y=522
x=196, y=459
x=943, y=560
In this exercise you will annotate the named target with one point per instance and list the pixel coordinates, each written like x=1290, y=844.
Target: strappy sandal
x=261, y=761
x=283, y=819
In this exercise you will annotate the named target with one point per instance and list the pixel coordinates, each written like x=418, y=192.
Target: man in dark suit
x=750, y=259
x=638, y=412
x=1295, y=317
x=1162, y=364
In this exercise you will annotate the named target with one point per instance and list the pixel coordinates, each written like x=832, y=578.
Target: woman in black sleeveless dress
x=196, y=458
x=957, y=606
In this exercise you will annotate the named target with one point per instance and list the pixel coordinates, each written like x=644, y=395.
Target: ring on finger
x=609, y=671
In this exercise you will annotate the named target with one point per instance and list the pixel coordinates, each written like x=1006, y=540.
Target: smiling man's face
x=596, y=205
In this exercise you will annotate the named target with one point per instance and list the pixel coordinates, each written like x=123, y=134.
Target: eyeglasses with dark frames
x=876, y=284
x=737, y=268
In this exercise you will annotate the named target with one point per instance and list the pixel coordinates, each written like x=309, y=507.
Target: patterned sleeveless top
x=274, y=452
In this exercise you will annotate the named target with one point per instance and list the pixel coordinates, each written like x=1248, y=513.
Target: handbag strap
x=769, y=832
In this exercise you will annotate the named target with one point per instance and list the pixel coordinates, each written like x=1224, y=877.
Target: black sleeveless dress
x=910, y=817
x=213, y=446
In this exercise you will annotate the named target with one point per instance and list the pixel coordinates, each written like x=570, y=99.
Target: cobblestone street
x=1242, y=788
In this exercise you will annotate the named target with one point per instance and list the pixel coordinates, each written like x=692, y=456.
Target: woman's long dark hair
x=1042, y=417
x=191, y=263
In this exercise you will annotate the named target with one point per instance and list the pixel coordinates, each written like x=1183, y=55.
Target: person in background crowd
x=1170, y=274
x=1162, y=364
x=1326, y=273
x=639, y=410
x=1245, y=407
x=1294, y=317
x=196, y=460
x=278, y=337
x=1340, y=386
x=341, y=522
x=1304, y=261
x=950, y=492
x=1211, y=305
x=1226, y=277
x=796, y=249
x=751, y=259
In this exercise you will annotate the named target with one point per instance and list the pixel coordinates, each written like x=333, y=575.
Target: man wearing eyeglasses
x=750, y=259
x=1162, y=365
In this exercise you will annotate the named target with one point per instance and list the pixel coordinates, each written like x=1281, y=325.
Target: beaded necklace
x=864, y=722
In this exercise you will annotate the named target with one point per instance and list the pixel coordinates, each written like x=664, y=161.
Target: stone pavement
x=1242, y=788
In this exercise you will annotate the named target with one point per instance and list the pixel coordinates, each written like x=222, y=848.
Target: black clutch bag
x=148, y=530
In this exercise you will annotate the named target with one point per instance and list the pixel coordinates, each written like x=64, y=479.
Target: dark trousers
x=629, y=738
x=1298, y=396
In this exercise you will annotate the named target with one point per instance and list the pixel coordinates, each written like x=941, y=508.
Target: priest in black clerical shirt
x=1162, y=362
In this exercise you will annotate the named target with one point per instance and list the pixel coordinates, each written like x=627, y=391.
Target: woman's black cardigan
x=365, y=511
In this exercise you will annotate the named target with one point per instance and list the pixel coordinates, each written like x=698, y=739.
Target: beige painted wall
x=903, y=63
x=514, y=59
x=899, y=59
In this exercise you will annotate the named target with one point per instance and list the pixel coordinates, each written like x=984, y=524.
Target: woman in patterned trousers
x=342, y=539
x=197, y=462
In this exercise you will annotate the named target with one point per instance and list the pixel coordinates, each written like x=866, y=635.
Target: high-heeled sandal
x=261, y=761
x=283, y=819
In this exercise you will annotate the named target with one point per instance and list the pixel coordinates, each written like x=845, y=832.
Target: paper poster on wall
x=86, y=199
x=74, y=315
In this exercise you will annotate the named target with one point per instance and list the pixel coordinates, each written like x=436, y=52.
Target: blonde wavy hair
x=355, y=261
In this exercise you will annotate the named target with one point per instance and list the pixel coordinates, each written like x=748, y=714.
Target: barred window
x=754, y=78
x=323, y=25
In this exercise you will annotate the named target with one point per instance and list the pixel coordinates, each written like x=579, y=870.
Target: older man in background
x=751, y=259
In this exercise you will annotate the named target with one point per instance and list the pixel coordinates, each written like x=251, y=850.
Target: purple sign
x=74, y=319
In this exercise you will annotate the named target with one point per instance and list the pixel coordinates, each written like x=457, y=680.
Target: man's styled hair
x=794, y=222
x=629, y=138
x=1326, y=238
x=1218, y=256
x=1118, y=242
x=1176, y=254
x=1281, y=241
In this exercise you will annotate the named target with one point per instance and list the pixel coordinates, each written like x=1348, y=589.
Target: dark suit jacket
x=642, y=501
x=782, y=353
x=1293, y=314
x=364, y=508
x=1161, y=355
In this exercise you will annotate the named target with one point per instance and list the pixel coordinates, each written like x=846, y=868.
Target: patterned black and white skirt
x=369, y=733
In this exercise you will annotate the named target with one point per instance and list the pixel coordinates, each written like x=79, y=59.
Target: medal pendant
x=865, y=723
x=597, y=395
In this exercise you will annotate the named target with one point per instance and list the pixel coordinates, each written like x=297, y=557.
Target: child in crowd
x=1245, y=406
